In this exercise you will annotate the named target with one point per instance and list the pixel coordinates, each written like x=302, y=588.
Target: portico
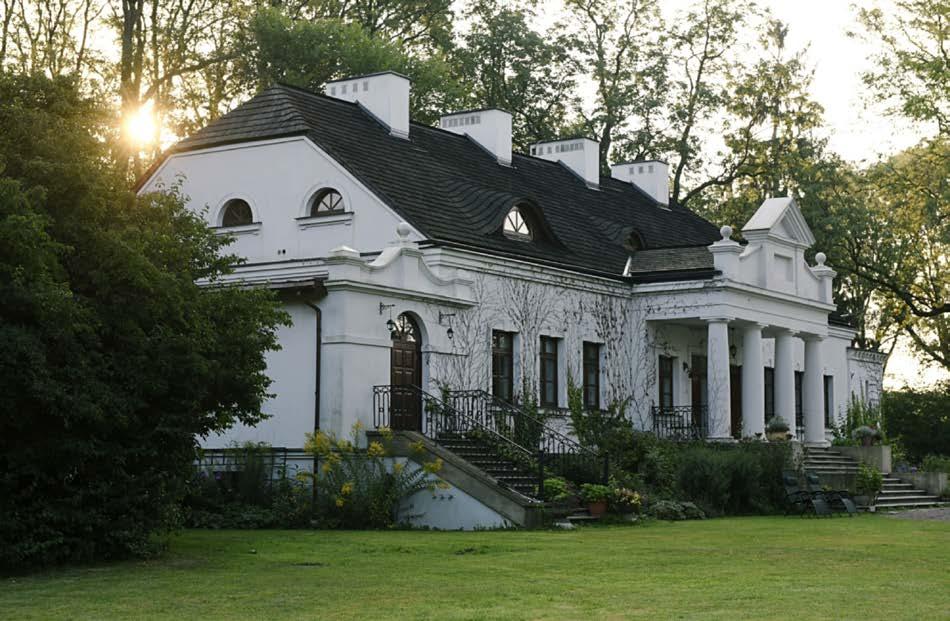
x=767, y=309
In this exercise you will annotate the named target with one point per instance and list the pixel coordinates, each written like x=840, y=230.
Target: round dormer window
x=236, y=212
x=326, y=202
x=516, y=226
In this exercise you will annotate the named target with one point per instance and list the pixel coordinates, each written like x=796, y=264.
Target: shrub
x=869, y=480
x=557, y=489
x=594, y=492
x=866, y=435
x=776, y=424
x=921, y=419
x=626, y=500
x=675, y=511
x=355, y=488
x=936, y=463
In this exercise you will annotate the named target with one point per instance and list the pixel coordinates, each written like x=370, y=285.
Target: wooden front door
x=735, y=399
x=405, y=376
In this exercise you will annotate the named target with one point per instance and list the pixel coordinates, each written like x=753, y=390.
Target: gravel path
x=940, y=514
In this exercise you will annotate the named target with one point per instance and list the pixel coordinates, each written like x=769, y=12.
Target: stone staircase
x=895, y=494
x=505, y=472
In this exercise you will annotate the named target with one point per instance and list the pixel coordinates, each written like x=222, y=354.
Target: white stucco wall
x=634, y=324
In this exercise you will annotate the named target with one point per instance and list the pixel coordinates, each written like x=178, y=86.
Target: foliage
x=776, y=424
x=113, y=358
x=675, y=511
x=866, y=435
x=859, y=415
x=936, y=463
x=557, y=489
x=869, y=480
x=356, y=487
x=625, y=500
x=594, y=492
x=920, y=419
x=733, y=480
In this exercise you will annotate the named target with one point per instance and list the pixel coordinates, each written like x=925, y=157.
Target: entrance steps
x=895, y=494
x=506, y=472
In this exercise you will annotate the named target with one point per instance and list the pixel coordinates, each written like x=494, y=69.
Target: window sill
x=245, y=229
x=309, y=222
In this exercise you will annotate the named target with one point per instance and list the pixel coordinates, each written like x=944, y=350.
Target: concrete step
x=908, y=503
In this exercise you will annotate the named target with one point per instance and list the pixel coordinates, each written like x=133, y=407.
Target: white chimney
x=490, y=128
x=651, y=176
x=581, y=155
x=384, y=95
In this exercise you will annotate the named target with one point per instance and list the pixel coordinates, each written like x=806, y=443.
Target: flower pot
x=597, y=509
x=777, y=436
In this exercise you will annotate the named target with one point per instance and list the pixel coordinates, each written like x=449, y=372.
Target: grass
x=868, y=567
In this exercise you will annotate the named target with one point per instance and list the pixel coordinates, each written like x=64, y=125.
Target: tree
x=113, y=359
x=309, y=53
x=624, y=49
x=510, y=66
x=49, y=36
x=425, y=24
x=913, y=64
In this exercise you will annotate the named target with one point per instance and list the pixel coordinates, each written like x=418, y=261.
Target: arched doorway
x=405, y=375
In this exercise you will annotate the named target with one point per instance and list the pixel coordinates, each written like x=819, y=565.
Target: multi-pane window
x=502, y=365
x=516, y=226
x=829, y=387
x=769, y=393
x=236, y=212
x=592, y=376
x=799, y=415
x=548, y=384
x=326, y=202
x=666, y=382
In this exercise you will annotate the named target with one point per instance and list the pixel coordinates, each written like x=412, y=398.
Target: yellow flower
x=375, y=449
x=340, y=502
x=418, y=447
x=386, y=432
x=318, y=443
x=347, y=489
x=398, y=467
x=358, y=426
x=433, y=466
x=326, y=467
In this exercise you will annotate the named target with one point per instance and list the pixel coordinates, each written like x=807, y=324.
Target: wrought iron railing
x=680, y=422
x=559, y=454
x=437, y=417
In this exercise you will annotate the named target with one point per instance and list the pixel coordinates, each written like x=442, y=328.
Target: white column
x=717, y=380
x=753, y=382
x=785, y=378
x=813, y=394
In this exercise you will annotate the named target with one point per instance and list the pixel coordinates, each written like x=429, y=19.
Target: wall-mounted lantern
x=450, y=332
x=390, y=324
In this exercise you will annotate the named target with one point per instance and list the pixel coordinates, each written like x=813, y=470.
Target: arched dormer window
x=517, y=225
x=236, y=212
x=634, y=242
x=325, y=202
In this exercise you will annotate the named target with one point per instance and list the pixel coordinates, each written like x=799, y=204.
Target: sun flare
x=141, y=126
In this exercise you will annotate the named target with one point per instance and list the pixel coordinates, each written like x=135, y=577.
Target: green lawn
x=869, y=567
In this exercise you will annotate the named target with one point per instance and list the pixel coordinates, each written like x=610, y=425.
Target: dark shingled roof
x=455, y=193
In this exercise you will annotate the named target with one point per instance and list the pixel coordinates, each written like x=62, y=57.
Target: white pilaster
x=813, y=394
x=753, y=382
x=717, y=380
x=785, y=378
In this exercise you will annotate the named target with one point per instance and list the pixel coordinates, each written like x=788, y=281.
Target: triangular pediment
x=779, y=217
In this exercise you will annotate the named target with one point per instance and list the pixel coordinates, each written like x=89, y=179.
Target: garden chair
x=839, y=500
x=801, y=501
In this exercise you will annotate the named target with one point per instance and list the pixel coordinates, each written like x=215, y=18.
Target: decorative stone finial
x=726, y=232
x=820, y=258
x=403, y=230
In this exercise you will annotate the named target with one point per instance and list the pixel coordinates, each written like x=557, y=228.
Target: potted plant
x=866, y=435
x=868, y=485
x=777, y=429
x=596, y=497
x=627, y=501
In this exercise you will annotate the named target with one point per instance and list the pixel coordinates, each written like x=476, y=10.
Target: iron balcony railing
x=560, y=454
x=515, y=435
x=680, y=422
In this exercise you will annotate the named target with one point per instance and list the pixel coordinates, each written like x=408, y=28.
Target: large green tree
x=507, y=64
x=112, y=359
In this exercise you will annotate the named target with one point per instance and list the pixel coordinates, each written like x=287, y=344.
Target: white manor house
x=432, y=265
